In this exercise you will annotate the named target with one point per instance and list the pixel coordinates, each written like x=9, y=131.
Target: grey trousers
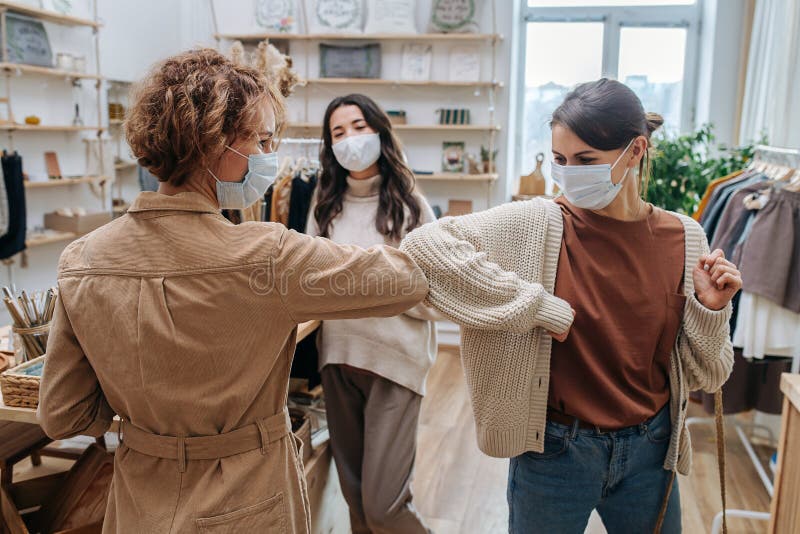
x=373, y=427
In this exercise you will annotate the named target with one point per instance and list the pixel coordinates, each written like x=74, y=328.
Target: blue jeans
x=620, y=474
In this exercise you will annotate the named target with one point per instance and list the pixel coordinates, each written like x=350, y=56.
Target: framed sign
x=335, y=16
x=276, y=15
x=391, y=16
x=455, y=16
x=350, y=61
x=465, y=64
x=27, y=41
x=416, y=64
x=453, y=156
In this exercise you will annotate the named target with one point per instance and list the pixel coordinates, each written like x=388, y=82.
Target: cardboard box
x=77, y=224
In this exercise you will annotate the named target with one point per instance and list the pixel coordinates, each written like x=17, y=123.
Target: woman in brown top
x=585, y=323
x=621, y=268
x=184, y=324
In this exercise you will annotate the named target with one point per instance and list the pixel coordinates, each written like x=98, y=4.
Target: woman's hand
x=563, y=336
x=716, y=280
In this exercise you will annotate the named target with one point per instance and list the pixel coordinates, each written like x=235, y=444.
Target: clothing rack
x=779, y=156
x=789, y=158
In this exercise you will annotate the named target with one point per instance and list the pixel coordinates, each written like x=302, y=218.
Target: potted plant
x=683, y=165
x=489, y=160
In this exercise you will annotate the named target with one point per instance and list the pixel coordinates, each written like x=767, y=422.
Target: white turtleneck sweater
x=401, y=348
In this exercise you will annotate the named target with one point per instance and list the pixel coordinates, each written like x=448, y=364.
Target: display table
x=785, y=515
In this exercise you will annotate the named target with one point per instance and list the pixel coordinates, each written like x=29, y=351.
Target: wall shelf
x=389, y=83
x=50, y=237
x=413, y=127
x=64, y=182
x=125, y=165
x=455, y=176
x=46, y=71
x=47, y=15
x=361, y=37
x=34, y=128
x=116, y=122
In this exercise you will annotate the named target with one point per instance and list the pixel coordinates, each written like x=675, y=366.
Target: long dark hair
x=606, y=115
x=397, y=187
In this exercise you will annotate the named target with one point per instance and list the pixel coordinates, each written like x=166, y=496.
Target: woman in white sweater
x=373, y=370
x=585, y=323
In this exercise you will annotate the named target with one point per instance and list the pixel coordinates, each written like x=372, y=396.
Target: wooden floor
x=459, y=490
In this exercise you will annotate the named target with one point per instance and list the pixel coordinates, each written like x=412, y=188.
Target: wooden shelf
x=125, y=165
x=455, y=176
x=63, y=182
x=361, y=37
x=116, y=122
x=389, y=83
x=49, y=238
x=46, y=71
x=33, y=128
x=413, y=127
x=47, y=15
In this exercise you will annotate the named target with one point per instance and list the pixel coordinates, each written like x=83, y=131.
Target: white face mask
x=358, y=152
x=261, y=172
x=589, y=186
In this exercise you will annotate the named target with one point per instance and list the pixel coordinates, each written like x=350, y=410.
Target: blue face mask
x=261, y=172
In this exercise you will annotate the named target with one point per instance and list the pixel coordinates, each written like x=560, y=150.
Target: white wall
x=721, y=58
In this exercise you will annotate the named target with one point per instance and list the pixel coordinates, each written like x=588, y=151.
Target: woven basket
x=20, y=385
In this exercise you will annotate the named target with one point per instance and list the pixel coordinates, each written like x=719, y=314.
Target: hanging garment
x=733, y=220
x=769, y=270
x=765, y=328
x=753, y=385
x=281, y=196
x=13, y=242
x=713, y=201
x=300, y=200
x=709, y=190
x=714, y=212
x=266, y=208
x=4, y=215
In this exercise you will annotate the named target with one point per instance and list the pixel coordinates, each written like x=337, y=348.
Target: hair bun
x=654, y=121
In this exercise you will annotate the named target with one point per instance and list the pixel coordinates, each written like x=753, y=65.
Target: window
x=650, y=45
x=585, y=3
x=655, y=73
x=549, y=76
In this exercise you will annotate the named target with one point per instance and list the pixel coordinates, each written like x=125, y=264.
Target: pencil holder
x=33, y=341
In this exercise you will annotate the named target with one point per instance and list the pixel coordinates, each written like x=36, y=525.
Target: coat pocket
x=268, y=517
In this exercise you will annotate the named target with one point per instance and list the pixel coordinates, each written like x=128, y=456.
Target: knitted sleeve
x=475, y=292
x=423, y=311
x=704, y=343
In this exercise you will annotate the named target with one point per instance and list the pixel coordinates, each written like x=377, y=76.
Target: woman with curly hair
x=184, y=324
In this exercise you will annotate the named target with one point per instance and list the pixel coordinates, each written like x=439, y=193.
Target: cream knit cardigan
x=494, y=272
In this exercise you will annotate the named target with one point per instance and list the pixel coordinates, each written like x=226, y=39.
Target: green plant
x=683, y=165
x=485, y=154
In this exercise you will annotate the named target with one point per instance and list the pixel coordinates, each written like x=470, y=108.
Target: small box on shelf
x=78, y=224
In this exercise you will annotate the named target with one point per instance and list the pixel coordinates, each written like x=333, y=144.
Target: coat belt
x=258, y=435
